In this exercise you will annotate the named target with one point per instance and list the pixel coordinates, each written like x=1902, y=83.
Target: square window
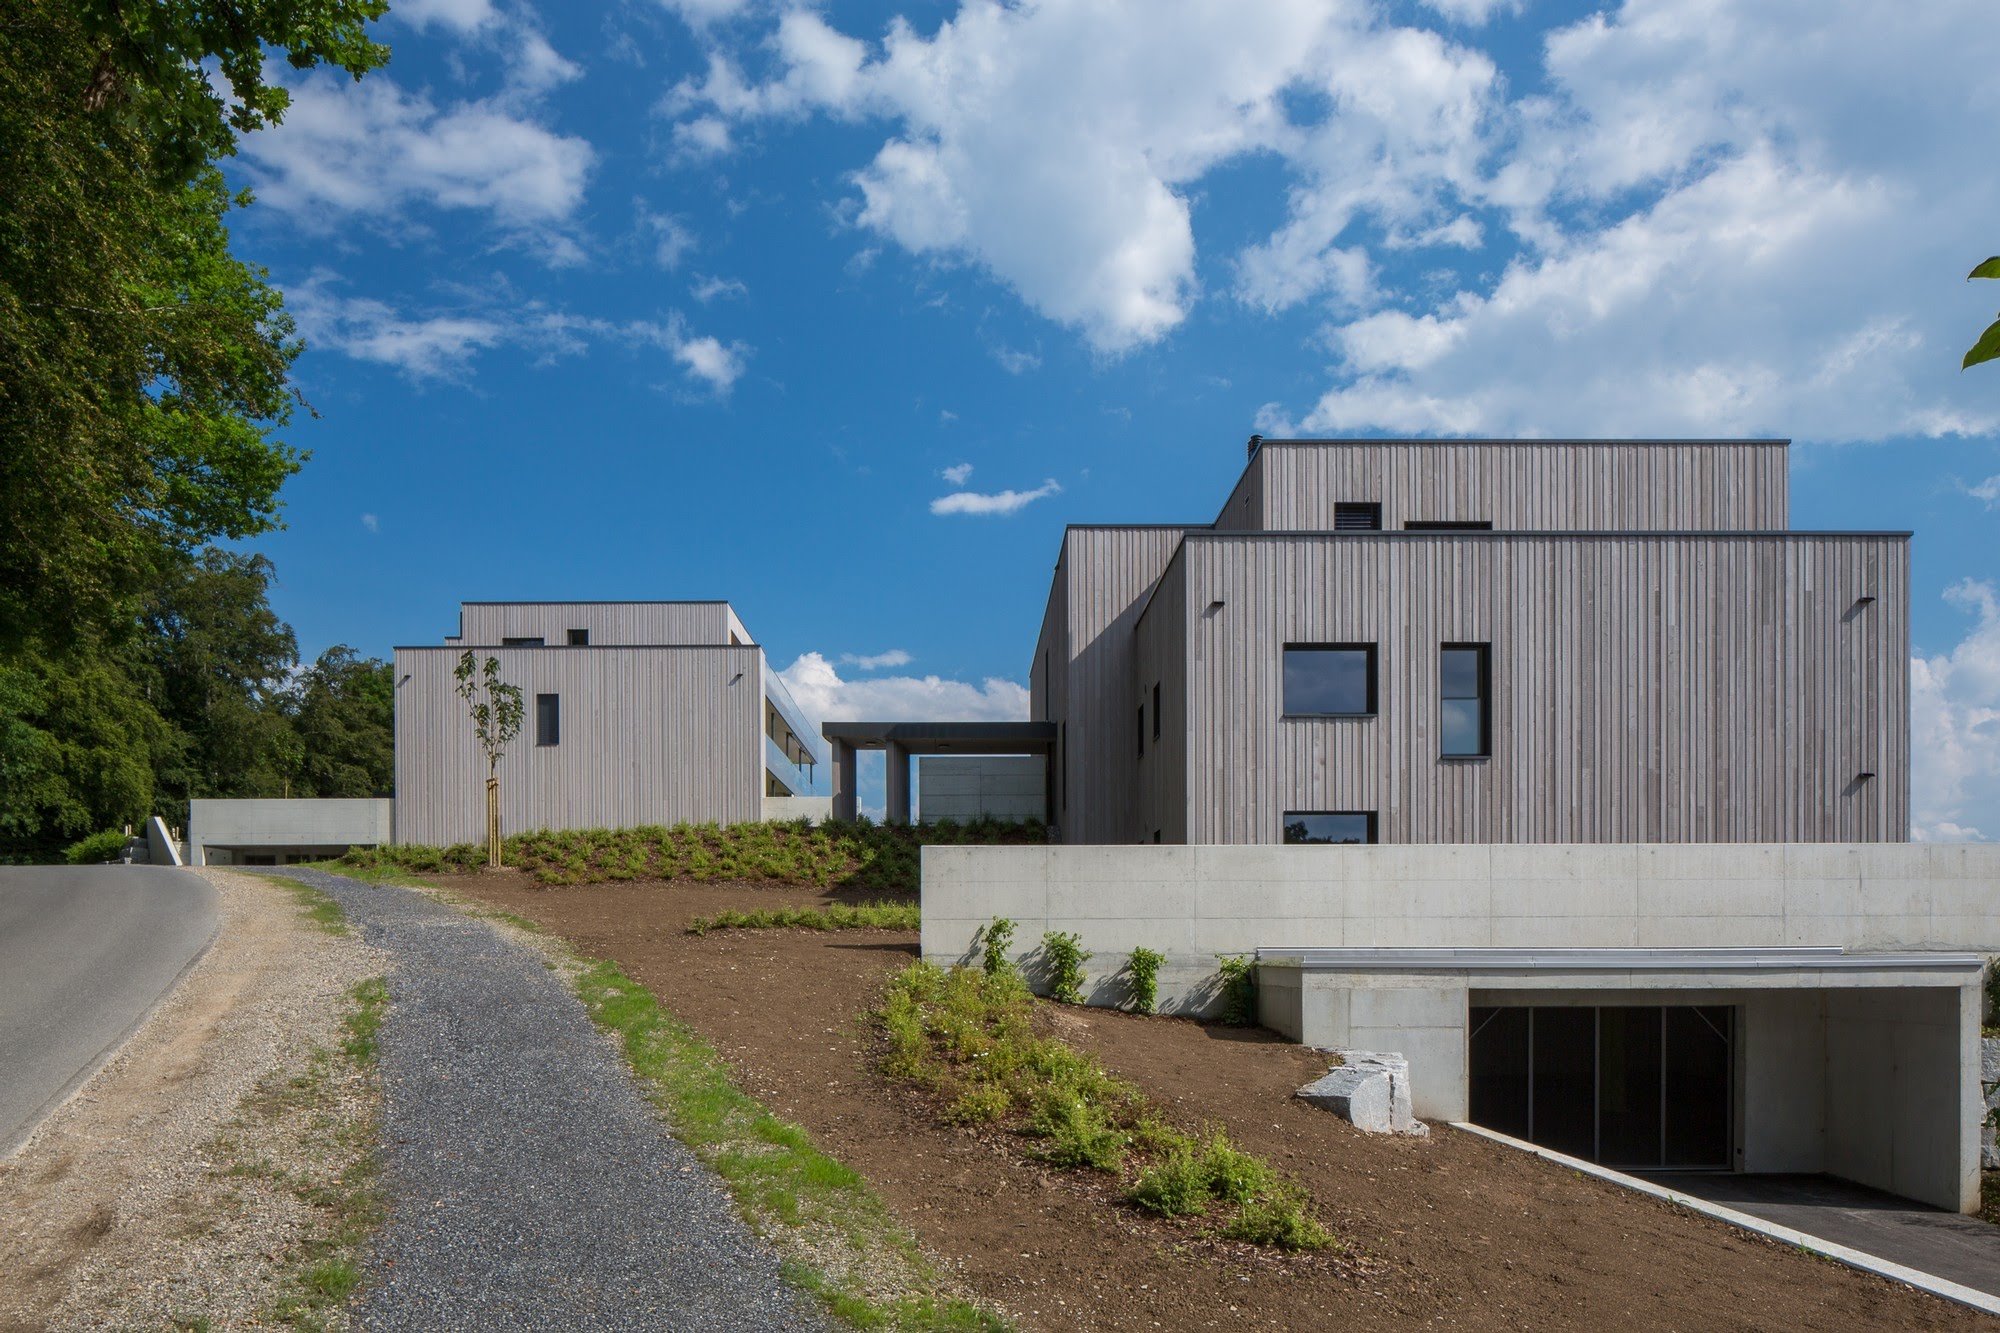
x=548, y=719
x=1330, y=680
x=1465, y=687
x=1329, y=827
x=579, y=638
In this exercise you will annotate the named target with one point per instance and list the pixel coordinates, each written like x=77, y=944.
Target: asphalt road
x=85, y=954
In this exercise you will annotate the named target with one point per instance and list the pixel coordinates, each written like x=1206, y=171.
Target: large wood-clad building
x=635, y=713
x=1421, y=642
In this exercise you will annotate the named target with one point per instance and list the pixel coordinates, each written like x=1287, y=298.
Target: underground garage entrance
x=1635, y=1087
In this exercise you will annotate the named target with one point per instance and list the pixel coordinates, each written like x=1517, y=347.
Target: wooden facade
x=1667, y=662
x=650, y=624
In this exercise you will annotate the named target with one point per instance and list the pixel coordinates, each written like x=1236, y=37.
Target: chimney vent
x=1256, y=443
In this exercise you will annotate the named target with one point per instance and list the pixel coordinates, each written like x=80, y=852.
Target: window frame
x=579, y=638
x=1374, y=827
x=1369, y=509
x=1374, y=680
x=1449, y=525
x=548, y=725
x=522, y=641
x=1484, y=698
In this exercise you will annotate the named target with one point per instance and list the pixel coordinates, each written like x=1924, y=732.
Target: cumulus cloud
x=957, y=473
x=819, y=688
x=373, y=151
x=371, y=523
x=1955, y=727
x=444, y=345
x=895, y=657
x=1986, y=492
x=711, y=288
x=669, y=235
x=1688, y=223
x=1001, y=503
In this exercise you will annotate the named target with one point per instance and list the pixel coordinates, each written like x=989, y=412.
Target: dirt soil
x=1454, y=1231
x=119, y=1212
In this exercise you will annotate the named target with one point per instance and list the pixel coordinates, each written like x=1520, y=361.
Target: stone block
x=1370, y=1090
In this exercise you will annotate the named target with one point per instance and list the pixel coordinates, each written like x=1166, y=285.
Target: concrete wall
x=1891, y=1057
x=258, y=826
x=783, y=809
x=1193, y=903
x=161, y=850
x=968, y=787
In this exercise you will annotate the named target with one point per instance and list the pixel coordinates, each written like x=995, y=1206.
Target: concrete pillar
x=898, y=761
x=845, y=802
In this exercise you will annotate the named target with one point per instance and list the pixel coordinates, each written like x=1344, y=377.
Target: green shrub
x=95, y=849
x=834, y=916
x=1144, y=969
x=1239, y=990
x=1063, y=953
x=998, y=942
x=1174, y=1187
x=1281, y=1220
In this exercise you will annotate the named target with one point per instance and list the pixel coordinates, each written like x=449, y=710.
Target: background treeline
x=145, y=385
x=201, y=693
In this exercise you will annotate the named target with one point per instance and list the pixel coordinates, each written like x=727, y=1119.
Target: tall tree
x=343, y=713
x=143, y=368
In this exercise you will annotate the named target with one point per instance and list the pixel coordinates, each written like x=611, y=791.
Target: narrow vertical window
x=1142, y=731
x=1156, y=710
x=1465, y=706
x=548, y=719
x=579, y=638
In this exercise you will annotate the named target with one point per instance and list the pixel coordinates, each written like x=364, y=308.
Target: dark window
x=1449, y=525
x=535, y=642
x=548, y=719
x=579, y=638
x=1329, y=680
x=1156, y=835
x=1062, y=760
x=1329, y=826
x=1156, y=710
x=1466, y=689
x=1142, y=730
x=1357, y=517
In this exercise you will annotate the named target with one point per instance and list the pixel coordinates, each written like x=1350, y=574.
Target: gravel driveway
x=530, y=1185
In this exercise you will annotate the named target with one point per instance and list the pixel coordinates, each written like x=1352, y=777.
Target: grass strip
x=857, y=854
x=845, y=1247
x=834, y=916
x=969, y=1037
x=379, y=872
x=320, y=907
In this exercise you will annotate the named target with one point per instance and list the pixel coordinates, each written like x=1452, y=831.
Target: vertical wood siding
x=1523, y=487
x=649, y=736
x=1107, y=573
x=609, y=623
x=1244, y=510
x=1645, y=688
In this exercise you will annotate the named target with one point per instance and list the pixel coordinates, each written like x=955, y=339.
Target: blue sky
x=704, y=298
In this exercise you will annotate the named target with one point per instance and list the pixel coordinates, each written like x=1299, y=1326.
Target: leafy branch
x=1988, y=346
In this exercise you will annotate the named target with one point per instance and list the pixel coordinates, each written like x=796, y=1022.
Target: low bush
x=997, y=945
x=1239, y=990
x=834, y=916
x=95, y=849
x=970, y=1038
x=860, y=854
x=1062, y=953
x=1144, y=969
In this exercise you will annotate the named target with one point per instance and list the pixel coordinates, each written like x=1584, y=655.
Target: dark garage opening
x=1636, y=1087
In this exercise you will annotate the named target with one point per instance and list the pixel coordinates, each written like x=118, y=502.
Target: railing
x=802, y=779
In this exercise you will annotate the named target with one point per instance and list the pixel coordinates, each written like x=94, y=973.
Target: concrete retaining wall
x=223, y=832
x=783, y=809
x=1193, y=903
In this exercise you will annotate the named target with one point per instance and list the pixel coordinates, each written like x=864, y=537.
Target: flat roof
x=1487, y=442
x=1514, y=960
x=946, y=737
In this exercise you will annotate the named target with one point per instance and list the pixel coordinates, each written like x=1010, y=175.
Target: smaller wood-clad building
x=1482, y=641
x=635, y=713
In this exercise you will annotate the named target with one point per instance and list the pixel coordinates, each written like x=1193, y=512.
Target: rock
x=1370, y=1090
x=1359, y=1096
x=1989, y=1061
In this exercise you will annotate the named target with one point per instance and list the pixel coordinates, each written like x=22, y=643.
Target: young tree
x=496, y=720
x=1988, y=346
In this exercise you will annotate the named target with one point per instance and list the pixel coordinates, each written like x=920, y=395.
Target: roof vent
x=1256, y=443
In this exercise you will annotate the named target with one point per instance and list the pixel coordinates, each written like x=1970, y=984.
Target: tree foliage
x=1988, y=346
x=144, y=369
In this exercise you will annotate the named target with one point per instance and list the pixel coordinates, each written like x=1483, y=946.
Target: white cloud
x=701, y=13
x=1986, y=492
x=1691, y=223
x=820, y=690
x=443, y=346
x=712, y=288
x=370, y=522
x=1955, y=727
x=1016, y=363
x=895, y=657
x=1001, y=503
x=957, y=473
x=371, y=150
x=461, y=16
x=671, y=237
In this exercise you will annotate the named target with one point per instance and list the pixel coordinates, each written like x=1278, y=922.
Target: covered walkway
x=899, y=740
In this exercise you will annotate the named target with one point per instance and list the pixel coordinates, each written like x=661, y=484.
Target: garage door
x=1638, y=1087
